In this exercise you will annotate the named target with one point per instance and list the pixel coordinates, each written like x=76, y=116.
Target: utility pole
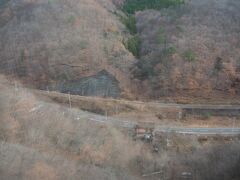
x=106, y=114
x=234, y=121
x=69, y=99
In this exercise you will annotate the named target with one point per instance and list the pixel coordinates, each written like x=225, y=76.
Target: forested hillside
x=119, y=89
x=131, y=6
x=47, y=42
x=191, y=49
x=152, y=49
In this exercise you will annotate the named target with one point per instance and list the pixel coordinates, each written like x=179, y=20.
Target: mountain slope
x=191, y=50
x=45, y=42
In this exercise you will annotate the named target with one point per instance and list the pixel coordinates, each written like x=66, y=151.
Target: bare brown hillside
x=47, y=42
x=185, y=82
x=42, y=140
x=77, y=46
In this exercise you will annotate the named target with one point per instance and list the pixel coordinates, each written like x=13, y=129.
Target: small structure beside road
x=144, y=131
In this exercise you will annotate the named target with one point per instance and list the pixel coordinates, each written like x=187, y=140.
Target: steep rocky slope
x=191, y=50
x=48, y=42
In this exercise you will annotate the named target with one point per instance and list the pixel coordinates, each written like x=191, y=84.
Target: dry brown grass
x=44, y=140
x=48, y=138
